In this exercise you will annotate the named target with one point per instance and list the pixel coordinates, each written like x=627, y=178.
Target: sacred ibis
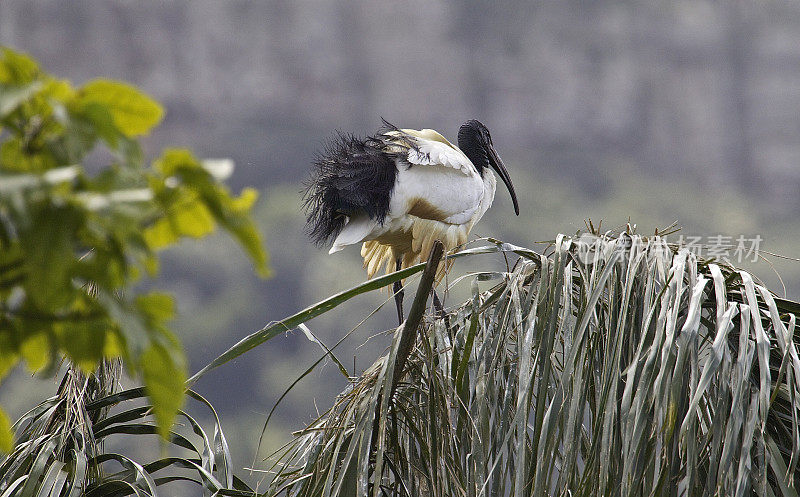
x=399, y=190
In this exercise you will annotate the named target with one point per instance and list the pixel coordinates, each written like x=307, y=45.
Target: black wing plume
x=351, y=176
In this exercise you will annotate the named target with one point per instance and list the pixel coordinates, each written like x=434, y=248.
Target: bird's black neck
x=470, y=143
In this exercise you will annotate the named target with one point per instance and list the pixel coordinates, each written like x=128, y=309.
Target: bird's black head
x=476, y=143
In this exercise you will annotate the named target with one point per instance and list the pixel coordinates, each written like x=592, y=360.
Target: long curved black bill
x=497, y=165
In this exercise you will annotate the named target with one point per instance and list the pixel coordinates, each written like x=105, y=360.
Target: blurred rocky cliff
x=704, y=89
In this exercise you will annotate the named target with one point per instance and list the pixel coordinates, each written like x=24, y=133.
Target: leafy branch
x=74, y=241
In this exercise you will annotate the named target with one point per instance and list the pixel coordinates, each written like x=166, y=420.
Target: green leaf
x=8, y=354
x=35, y=349
x=199, y=182
x=164, y=373
x=6, y=437
x=175, y=159
x=17, y=68
x=160, y=235
x=102, y=122
x=271, y=330
x=114, y=345
x=59, y=90
x=84, y=341
x=192, y=219
x=158, y=307
x=243, y=228
x=133, y=335
x=134, y=112
x=49, y=256
x=11, y=98
x=14, y=157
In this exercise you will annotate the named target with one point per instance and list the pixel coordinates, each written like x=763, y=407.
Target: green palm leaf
x=59, y=445
x=618, y=366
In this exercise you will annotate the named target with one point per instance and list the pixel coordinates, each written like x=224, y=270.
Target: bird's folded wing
x=428, y=148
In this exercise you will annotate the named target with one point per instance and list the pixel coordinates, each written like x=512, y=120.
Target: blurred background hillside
x=612, y=110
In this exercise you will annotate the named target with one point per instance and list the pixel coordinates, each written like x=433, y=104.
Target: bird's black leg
x=398, y=293
x=437, y=304
x=439, y=308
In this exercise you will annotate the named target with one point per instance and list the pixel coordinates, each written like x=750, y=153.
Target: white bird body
x=438, y=194
x=402, y=189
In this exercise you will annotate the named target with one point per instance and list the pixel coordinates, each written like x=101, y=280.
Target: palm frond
x=60, y=445
x=618, y=366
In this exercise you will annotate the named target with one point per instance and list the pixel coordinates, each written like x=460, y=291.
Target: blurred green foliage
x=74, y=243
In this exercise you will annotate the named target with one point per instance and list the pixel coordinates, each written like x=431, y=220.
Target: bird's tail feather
x=377, y=255
x=351, y=177
x=354, y=231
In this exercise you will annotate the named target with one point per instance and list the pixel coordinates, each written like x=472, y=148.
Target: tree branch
x=409, y=333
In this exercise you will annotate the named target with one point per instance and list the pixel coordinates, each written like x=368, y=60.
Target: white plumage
x=399, y=191
x=438, y=194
